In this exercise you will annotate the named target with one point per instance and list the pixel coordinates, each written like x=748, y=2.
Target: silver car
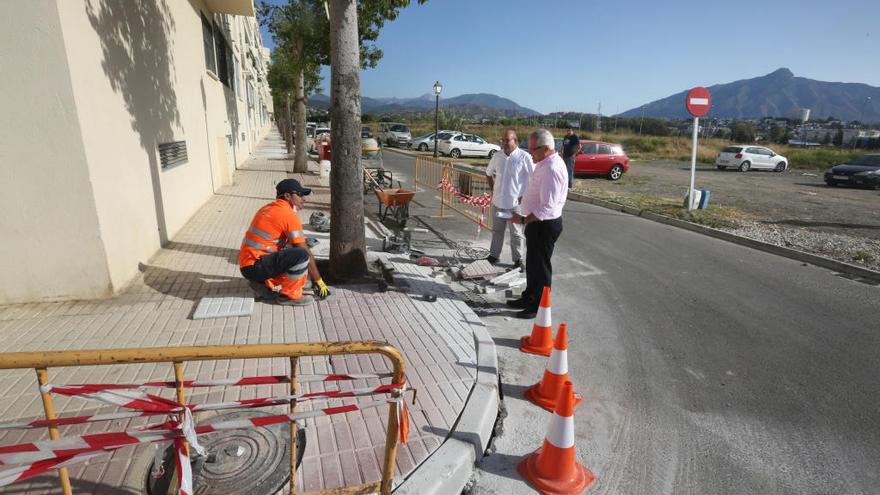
x=426, y=142
x=745, y=158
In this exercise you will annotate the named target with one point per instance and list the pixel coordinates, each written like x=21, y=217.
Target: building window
x=223, y=57
x=208, y=42
x=172, y=154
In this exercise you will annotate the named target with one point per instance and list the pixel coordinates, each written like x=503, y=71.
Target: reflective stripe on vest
x=261, y=233
x=294, y=234
x=257, y=245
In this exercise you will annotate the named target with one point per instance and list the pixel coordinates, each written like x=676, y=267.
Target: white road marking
x=566, y=276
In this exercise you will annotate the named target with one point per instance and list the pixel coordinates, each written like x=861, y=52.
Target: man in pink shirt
x=541, y=209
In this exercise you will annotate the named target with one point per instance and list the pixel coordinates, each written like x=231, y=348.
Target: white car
x=394, y=134
x=745, y=158
x=459, y=144
x=426, y=142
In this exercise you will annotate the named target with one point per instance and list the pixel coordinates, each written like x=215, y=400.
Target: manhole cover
x=252, y=461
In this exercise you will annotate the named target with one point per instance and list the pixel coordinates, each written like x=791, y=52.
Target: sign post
x=698, y=102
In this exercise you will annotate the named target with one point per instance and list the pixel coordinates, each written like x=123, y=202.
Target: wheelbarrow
x=395, y=202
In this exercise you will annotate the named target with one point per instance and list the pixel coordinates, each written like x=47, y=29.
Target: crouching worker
x=274, y=257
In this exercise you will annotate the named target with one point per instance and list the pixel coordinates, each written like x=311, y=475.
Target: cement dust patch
x=223, y=307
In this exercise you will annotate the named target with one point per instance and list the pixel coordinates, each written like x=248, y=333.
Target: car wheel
x=780, y=167
x=423, y=147
x=491, y=153
x=616, y=172
x=455, y=153
x=745, y=166
x=721, y=167
x=831, y=183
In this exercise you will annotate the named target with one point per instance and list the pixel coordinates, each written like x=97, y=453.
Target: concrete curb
x=838, y=266
x=451, y=466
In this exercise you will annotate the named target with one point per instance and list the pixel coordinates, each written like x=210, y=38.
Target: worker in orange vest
x=274, y=256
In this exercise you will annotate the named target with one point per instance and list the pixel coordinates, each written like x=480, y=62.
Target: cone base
x=533, y=395
x=530, y=349
x=527, y=468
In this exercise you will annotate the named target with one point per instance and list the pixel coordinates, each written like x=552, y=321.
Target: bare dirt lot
x=793, y=208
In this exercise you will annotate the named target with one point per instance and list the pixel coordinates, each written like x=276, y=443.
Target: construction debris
x=479, y=269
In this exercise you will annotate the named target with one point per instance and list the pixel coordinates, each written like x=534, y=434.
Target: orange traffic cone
x=540, y=342
x=552, y=469
x=546, y=392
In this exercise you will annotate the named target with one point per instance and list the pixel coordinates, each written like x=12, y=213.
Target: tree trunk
x=300, y=158
x=286, y=125
x=347, y=245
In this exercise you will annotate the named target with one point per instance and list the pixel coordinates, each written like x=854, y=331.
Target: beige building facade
x=120, y=119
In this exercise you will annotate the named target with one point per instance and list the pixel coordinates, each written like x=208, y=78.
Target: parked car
x=745, y=158
x=366, y=132
x=600, y=158
x=426, y=142
x=596, y=158
x=860, y=171
x=459, y=144
x=394, y=134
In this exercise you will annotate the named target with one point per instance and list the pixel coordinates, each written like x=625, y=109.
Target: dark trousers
x=293, y=259
x=540, y=240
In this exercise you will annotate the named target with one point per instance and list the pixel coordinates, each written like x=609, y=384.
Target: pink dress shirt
x=548, y=189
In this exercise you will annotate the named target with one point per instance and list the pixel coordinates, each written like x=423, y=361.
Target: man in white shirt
x=508, y=173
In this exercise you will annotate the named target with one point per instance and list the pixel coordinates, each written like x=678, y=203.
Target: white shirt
x=512, y=175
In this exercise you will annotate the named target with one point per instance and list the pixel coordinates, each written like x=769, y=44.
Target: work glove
x=321, y=289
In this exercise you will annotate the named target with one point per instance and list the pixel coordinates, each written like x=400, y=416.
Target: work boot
x=518, y=264
x=492, y=260
x=261, y=292
x=283, y=300
x=520, y=303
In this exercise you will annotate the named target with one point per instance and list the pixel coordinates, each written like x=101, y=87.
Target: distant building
x=120, y=120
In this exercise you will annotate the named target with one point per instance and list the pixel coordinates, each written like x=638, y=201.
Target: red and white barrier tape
x=46, y=455
x=482, y=200
x=51, y=454
x=150, y=405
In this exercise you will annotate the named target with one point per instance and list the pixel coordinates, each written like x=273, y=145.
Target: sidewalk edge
x=838, y=266
x=449, y=468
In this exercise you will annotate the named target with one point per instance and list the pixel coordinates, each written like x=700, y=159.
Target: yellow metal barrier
x=42, y=361
x=430, y=171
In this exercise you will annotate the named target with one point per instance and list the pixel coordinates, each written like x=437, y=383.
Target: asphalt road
x=706, y=367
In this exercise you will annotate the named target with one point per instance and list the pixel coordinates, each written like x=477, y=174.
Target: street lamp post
x=642, y=120
x=437, y=89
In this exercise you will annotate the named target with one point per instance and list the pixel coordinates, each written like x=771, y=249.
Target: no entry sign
x=698, y=101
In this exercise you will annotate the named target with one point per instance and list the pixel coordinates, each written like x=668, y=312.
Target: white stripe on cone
x=558, y=362
x=542, y=319
x=561, y=431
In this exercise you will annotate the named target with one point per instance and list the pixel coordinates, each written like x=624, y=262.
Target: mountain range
x=471, y=105
x=778, y=94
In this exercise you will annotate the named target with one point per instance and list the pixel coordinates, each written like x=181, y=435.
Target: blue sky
x=555, y=55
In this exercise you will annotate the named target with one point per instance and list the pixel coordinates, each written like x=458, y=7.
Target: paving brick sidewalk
x=155, y=310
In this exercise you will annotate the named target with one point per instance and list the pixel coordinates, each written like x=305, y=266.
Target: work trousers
x=541, y=238
x=287, y=268
x=569, y=167
x=517, y=239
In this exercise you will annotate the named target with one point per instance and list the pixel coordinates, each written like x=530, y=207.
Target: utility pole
x=599, y=118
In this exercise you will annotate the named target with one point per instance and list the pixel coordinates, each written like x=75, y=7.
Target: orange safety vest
x=274, y=226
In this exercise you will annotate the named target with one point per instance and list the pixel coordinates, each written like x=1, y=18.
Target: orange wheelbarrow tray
x=395, y=201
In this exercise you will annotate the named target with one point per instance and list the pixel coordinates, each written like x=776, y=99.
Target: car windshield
x=866, y=160
x=731, y=149
x=399, y=128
